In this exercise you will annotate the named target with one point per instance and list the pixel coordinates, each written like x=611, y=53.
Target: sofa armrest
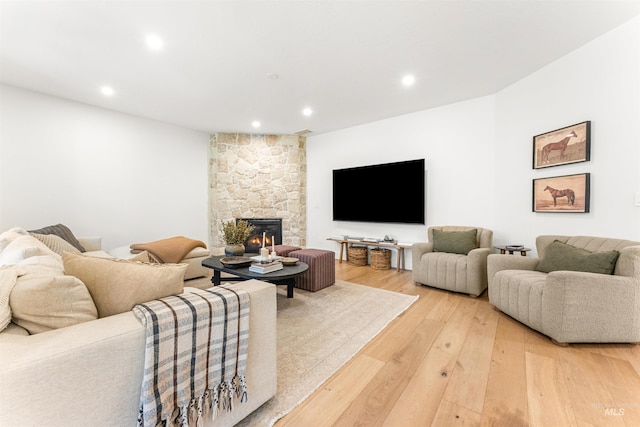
x=478, y=255
x=419, y=249
x=591, y=307
x=91, y=243
x=629, y=262
x=498, y=262
x=76, y=374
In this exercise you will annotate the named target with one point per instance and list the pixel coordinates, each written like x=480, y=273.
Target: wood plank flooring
x=452, y=360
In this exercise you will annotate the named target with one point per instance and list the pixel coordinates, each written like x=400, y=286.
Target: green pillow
x=457, y=242
x=560, y=256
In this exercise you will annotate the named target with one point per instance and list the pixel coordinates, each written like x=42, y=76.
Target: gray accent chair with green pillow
x=580, y=289
x=454, y=258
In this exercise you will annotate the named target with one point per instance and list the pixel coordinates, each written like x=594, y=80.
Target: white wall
x=124, y=178
x=131, y=179
x=598, y=82
x=479, y=165
x=457, y=143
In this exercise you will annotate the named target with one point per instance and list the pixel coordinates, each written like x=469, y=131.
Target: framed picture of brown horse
x=571, y=144
x=568, y=193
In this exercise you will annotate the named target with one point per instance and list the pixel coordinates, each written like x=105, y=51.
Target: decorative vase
x=234, y=250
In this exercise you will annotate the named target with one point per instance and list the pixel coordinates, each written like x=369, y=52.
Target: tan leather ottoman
x=321, y=272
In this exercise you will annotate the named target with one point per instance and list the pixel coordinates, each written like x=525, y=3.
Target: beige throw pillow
x=63, y=231
x=42, y=301
x=116, y=286
x=56, y=243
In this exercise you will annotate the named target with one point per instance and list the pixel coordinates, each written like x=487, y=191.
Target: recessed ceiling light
x=408, y=80
x=307, y=111
x=107, y=90
x=154, y=42
x=255, y=124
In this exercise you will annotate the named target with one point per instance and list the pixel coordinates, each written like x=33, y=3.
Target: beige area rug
x=318, y=333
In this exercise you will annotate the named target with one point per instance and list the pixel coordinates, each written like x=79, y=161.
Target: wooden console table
x=400, y=247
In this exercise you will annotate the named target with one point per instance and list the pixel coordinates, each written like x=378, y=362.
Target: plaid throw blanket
x=195, y=355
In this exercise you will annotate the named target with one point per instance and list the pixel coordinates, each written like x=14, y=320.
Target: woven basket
x=380, y=259
x=357, y=255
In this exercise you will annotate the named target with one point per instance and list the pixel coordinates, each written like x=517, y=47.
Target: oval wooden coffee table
x=286, y=276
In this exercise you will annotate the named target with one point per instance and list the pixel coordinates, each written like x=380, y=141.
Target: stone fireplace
x=272, y=229
x=258, y=176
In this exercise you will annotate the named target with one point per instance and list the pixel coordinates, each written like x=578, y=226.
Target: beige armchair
x=571, y=306
x=454, y=258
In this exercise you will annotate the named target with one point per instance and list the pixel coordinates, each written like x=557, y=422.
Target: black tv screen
x=386, y=193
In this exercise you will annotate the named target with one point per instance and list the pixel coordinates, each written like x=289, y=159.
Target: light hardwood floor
x=452, y=360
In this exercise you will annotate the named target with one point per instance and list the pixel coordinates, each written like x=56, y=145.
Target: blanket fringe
x=240, y=386
x=212, y=401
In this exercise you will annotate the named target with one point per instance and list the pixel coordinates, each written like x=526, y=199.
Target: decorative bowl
x=289, y=261
x=236, y=261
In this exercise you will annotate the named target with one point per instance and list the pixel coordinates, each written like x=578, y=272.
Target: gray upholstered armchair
x=576, y=291
x=455, y=259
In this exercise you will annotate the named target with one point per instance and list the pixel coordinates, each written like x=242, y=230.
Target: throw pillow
x=61, y=231
x=8, y=277
x=457, y=242
x=56, y=243
x=10, y=235
x=24, y=249
x=43, y=301
x=116, y=286
x=561, y=256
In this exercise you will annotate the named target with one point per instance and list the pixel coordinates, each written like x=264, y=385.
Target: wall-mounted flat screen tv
x=386, y=193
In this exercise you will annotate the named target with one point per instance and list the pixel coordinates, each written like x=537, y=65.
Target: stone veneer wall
x=258, y=176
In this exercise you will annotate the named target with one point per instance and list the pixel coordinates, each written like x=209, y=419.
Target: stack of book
x=266, y=267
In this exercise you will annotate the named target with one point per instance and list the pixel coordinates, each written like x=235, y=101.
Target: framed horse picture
x=568, y=193
x=571, y=144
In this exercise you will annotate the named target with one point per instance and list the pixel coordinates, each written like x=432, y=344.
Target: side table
x=504, y=249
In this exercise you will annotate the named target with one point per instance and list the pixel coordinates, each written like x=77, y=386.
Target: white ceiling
x=344, y=59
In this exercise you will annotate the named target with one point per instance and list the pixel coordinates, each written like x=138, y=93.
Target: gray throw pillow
x=457, y=242
x=560, y=256
x=63, y=231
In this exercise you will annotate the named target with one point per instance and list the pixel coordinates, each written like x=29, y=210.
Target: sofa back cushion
x=561, y=256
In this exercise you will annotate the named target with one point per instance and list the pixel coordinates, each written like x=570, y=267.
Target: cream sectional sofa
x=78, y=369
x=571, y=306
x=90, y=374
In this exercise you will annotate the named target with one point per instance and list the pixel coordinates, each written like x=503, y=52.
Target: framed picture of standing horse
x=571, y=144
x=568, y=193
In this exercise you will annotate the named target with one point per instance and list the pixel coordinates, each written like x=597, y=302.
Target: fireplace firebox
x=272, y=229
